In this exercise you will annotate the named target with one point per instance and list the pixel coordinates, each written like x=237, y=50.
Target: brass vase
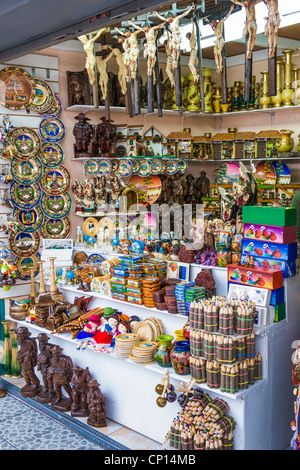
x=217, y=99
x=298, y=146
x=276, y=100
x=251, y=103
x=287, y=92
x=229, y=98
x=192, y=94
x=265, y=100
x=207, y=85
x=285, y=143
x=7, y=349
x=236, y=96
x=15, y=366
x=296, y=85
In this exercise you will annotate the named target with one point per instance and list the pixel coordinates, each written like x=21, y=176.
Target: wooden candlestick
x=33, y=294
x=42, y=288
x=53, y=287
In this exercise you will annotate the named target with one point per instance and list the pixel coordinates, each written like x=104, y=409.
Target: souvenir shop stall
x=150, y=265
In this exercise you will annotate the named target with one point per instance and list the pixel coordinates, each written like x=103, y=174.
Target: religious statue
x=88, y=46
x=79, y=196
x=27, y=358
x=121, y=68
x=100, y=193
x=83, y=132
x=169, y=67
x=115, y=191
x=78, y=88
x=149, y=47
x=43, y=363
x=103, y=76
x=131, y=49
x=217, y=26
x=96, y=404
x=89, y=197
x=175, y=31
x=124, y=40
x=250, y=23
x=193, y=54
x=61, y=370
x=80, y=387
x=272, y=25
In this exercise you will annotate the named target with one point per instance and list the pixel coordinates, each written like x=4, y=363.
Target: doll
x=84, y=337
x=123, y=326
x=133, y=321
x=107, y=331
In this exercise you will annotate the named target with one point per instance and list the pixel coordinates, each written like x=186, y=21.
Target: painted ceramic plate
x=282, y=171
x=27, y=172
x=56, y=206
x=26, y=143
x=24, y=244
x=52, y=130
x=25, y=196
x=24, y=264
x=125, y=167
x=51, y=154
x=106, y=222
x=44, y=96
x=29, y=220
x=228, y=173
x=92, y=166
x=54, y=110
x=105, y=166
x=91, y=227
x=114, y=165
x=145, y=168
x=95, y=258
x=149, y=187
x=135, y=167
x=55, y=180
x=265, y=175
x=157, y=167
x=182, y=166
x=17, y=88
x=172, y=167
x=55, y=228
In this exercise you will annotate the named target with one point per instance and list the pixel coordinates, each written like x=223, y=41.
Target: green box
x=265, y=215
x=279, y=312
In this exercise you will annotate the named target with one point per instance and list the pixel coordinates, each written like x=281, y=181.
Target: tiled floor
x=26, y=425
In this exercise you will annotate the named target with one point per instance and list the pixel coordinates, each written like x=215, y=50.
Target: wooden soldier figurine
x=250, y=24
x=43, y=363
x=80, y=386
x=272, y=25
x=83, y=132
x=61, y=370
x=27, y=357
x=96, y=403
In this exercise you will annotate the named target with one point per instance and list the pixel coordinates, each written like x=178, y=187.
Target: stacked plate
x=149, y=329
x=143, y=352
x=124, y=344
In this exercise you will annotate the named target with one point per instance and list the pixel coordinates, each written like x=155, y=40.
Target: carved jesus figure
x=88, y=46
x=272, y=25
x=193, y=54
x=217, y=26
x=250, y=23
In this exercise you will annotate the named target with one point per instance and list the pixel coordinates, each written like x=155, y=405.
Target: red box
x=262, y=277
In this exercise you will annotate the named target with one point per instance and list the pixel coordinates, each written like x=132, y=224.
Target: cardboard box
x=287, y=267
x=280, y=312
x=257, y=295
x=279, y=216
x=263, y=277
x=270, y=233
x=264, y=316
x=277, y=296
x=268, y=250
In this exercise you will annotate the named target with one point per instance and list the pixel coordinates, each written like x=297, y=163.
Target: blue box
x=265, y=249
x=277, y=296
x=288, y=267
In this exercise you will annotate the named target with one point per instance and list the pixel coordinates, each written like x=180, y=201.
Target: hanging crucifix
x=199, y=54
x=271, y=28
x=123, y=39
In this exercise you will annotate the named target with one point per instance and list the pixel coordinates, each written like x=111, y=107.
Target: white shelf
x=21, y=288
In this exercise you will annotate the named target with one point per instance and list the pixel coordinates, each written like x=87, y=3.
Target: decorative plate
x=54, y=110
x=80, y=258
x=44, y=96
x=51, y=155
x=56, y=206
x=145, y=168
x=55, y=228
x=24, y=244
x=28, y=220
x=25, y=196
x=135, y=167
x=157, y=167
x=149, y=187
x=91, y=227
x=182, y=166
x=228, y=173
x=26, y=143
x=24, y=264
x=17, y=88
x=95, y=258
x=114, y=165
x=282, y=171
x=105, y=166
x=125, y=167
x=55, y=180
x=265, y=175
x=27, y=172
x=52, y=130
x=172, y=167
x=106, y=222
x=92, y=166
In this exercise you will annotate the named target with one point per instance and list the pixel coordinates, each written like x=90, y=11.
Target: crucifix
x=271, y=28
x=123, y=39
x=102, y=57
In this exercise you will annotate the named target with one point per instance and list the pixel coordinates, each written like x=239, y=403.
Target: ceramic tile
x=134, y=440
x=4, y=445
x=10, y=406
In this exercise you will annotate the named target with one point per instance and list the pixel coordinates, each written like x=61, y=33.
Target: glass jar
x=180, y=356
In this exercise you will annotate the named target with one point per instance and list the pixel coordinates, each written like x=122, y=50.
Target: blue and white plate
x=52, y=130
x=125, y=167
x=145, y=168
x=92, y=166
x=105, y=166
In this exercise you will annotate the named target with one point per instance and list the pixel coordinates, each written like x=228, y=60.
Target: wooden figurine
x=193, y=54
x=43, y=363
x=103, y=76
x=88, y=46
x=27, y=358
x=169, y=67
x=83, y=132
x=80, y=387
x=217, y=26
x=121, y=68
x=78, y=88
x=250, y=23
x=106, y=137
x=96, y=404
x=272, y=25
x=61, y=370
x=131, y=49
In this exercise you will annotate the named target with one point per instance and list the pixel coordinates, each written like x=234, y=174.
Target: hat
x=116, y=317
x=108, y=311
x=95, y=319
x=125, y=323
x=134, y=318
x=122, y=316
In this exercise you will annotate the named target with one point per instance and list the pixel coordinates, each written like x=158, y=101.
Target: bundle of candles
x=226, y=316
x=202, y=425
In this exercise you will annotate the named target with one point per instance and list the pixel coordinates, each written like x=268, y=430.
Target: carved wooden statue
x=43, y=364
x=106, y=136
x=169, y=67
x=80, y=387
x=27, y=358
x=272, y=25
x=83, y=132
x=88, y=46
x=103, y=75
x=121, y=68
x=193, y=54
x=78, y=88
x=61, y=370
x=132, y=51
x=250, y=23
x=217, y=26
x=96, y=403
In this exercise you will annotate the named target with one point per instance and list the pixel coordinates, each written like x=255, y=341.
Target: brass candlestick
x=33, y=294
x=42, y=288
x=53, y=287
x=288, y=92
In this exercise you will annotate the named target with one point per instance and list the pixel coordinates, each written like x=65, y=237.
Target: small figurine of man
x=96, y=404
x=272, y=25
x=61, y=370
x=43, y=363
x=250, y=23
